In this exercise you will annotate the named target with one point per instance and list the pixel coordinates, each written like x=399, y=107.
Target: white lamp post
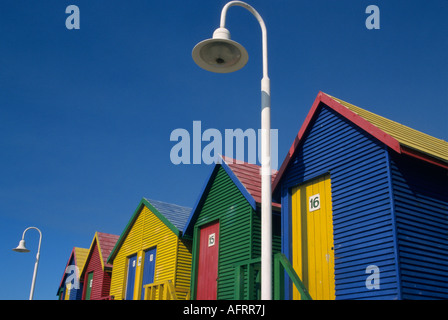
x=22, y=248
x=222, y=55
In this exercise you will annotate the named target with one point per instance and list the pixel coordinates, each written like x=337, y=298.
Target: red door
x=208, y=262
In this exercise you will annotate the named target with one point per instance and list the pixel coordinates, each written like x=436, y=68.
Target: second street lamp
x=22, y=248
x=222, y=55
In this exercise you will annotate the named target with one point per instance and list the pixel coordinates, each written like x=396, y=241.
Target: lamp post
x=22, y=248
x=222, y=55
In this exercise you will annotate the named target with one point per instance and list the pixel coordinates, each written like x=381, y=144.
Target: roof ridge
x=164, y=202
x=404, y=140
x=233, y=161
x=405, y=135
x=354, y=108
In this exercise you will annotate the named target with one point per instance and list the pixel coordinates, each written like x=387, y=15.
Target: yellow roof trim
x=407, y=137
x=95, y=238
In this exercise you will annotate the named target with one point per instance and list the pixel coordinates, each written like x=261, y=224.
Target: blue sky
x=86, y=115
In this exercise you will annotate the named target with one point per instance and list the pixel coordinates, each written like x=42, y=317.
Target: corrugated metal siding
x=421, y=207
x=256, y=247
x=76, y=294
x=363, y=227
x=226, y=203
x=146, y=232
x=106, y=283
x=157, y=235
x=94, y=264
x=256, y=237
x=183, y=268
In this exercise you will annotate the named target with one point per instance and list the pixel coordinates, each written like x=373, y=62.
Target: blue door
x=148, y=268
x=132, y=264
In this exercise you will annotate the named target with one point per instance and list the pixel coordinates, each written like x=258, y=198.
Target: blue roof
x=176, y=214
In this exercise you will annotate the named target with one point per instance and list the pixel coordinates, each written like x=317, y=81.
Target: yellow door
x=312, y=238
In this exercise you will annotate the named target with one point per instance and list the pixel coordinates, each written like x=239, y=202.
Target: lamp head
x=21, y=247
x=220, y=54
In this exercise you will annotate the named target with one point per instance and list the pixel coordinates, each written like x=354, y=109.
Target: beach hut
x=70, y=287
x=364, y=206
x=225, y=225
x=150, y=259
x=96, y=273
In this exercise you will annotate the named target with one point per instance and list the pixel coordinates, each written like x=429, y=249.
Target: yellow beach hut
x=151, y=260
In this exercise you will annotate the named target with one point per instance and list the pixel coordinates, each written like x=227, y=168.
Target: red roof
x=249, y=175
x=106, y=242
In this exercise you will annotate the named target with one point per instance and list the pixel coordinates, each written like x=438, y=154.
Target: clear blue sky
x=86, y=115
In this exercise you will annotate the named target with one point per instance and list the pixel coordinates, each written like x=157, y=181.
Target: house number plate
x=314, y=202
x=211, y=239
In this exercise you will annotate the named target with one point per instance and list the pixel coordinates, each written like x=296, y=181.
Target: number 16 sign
x=314, y=202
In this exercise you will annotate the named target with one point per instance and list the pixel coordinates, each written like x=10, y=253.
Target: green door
x=89, y=285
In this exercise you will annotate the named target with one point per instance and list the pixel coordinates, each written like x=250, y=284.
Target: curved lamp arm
x=262, y=25
x=265, y=86
x=40, y=236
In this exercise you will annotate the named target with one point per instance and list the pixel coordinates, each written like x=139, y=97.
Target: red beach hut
x=96, y=273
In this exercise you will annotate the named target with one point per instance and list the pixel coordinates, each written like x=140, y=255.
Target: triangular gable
x=246, y=178
x=78, y=256
x=105, y=243
x=397, y=137
x=166, y=212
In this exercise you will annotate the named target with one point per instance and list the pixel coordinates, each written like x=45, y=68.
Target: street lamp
x=22, y=248
x=222, y=55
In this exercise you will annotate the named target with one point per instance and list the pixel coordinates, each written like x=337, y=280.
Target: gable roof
x=401, y=139
x=172, y=215
x=79, y=257
x=177, y=215
x=249, y=175
x=245, y=176
x=105, y=243
x=408, y=138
